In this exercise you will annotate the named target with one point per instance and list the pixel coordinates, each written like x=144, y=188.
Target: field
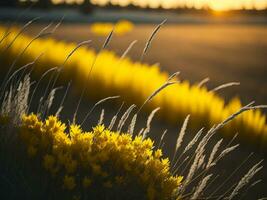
x=224, y=53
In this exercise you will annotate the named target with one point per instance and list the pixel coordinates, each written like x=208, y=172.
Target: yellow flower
x=158, y=153
x=179, y=179
x=99, y=129
x=102, y=155
x=120, y=28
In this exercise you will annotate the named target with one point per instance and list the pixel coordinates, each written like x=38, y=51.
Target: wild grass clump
x=133, y=81
x=50, y=160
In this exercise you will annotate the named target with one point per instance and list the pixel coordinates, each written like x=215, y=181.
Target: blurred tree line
x=86, y=6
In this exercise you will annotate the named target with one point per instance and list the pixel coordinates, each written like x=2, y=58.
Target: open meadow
x=224, y=53
x=169, y=111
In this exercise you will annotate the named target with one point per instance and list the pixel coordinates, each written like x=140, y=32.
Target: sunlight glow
x=217, y=5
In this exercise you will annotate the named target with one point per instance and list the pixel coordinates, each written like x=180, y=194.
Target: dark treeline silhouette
x=86, y=6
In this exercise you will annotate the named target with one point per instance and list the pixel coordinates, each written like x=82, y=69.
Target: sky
x=219, y=5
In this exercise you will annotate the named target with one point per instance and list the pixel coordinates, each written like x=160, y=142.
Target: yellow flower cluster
x=99, y=160
x=135, y=82
x=120, y=28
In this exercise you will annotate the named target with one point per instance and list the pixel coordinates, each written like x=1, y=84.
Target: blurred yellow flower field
x=135, y=81
x=120, y=28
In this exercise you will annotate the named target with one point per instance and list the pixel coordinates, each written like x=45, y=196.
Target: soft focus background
x=223, y=40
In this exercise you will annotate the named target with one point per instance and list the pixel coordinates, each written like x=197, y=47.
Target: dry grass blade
x=83, y=43
x=181, y=164
x=21, y=31
x=7, y=101
x=231, y=117
x=188, y=147
x=38, y=83
x=132, y=125
x=128, y=49
x=250, y=186
x=148, y=43
x=246, y=178
x=40, y=34
x=180, y=137
x=200, y=156
x=225, y=152
x=162, y=138
x=226, y=85
x=51, y=97
x=114, y=118
x=30, y=71
x=148, y=123
x=108, y=39
x=106, y=99
x=141, y=131
x=86, y=42
x=258, y=107
x=192, y=171
x=203, y=82
x=230, y=176
x=16, y=103
x=88, y=76
x=166, y=84
x=174, y=75
x=58, y=24
x=232, y=140
x=125, y=117
x=203, y=183
x=155, y=93
x=7, y=33
x=210, y=183
x=49, y=101
x=193, y=141
x=63, y=100
x=20, y=69
x=197, y=157
x=96, y=104
x=213, y=153
x=101, y=118
x=46, y=92
x=22, y=96
x=201, y=161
